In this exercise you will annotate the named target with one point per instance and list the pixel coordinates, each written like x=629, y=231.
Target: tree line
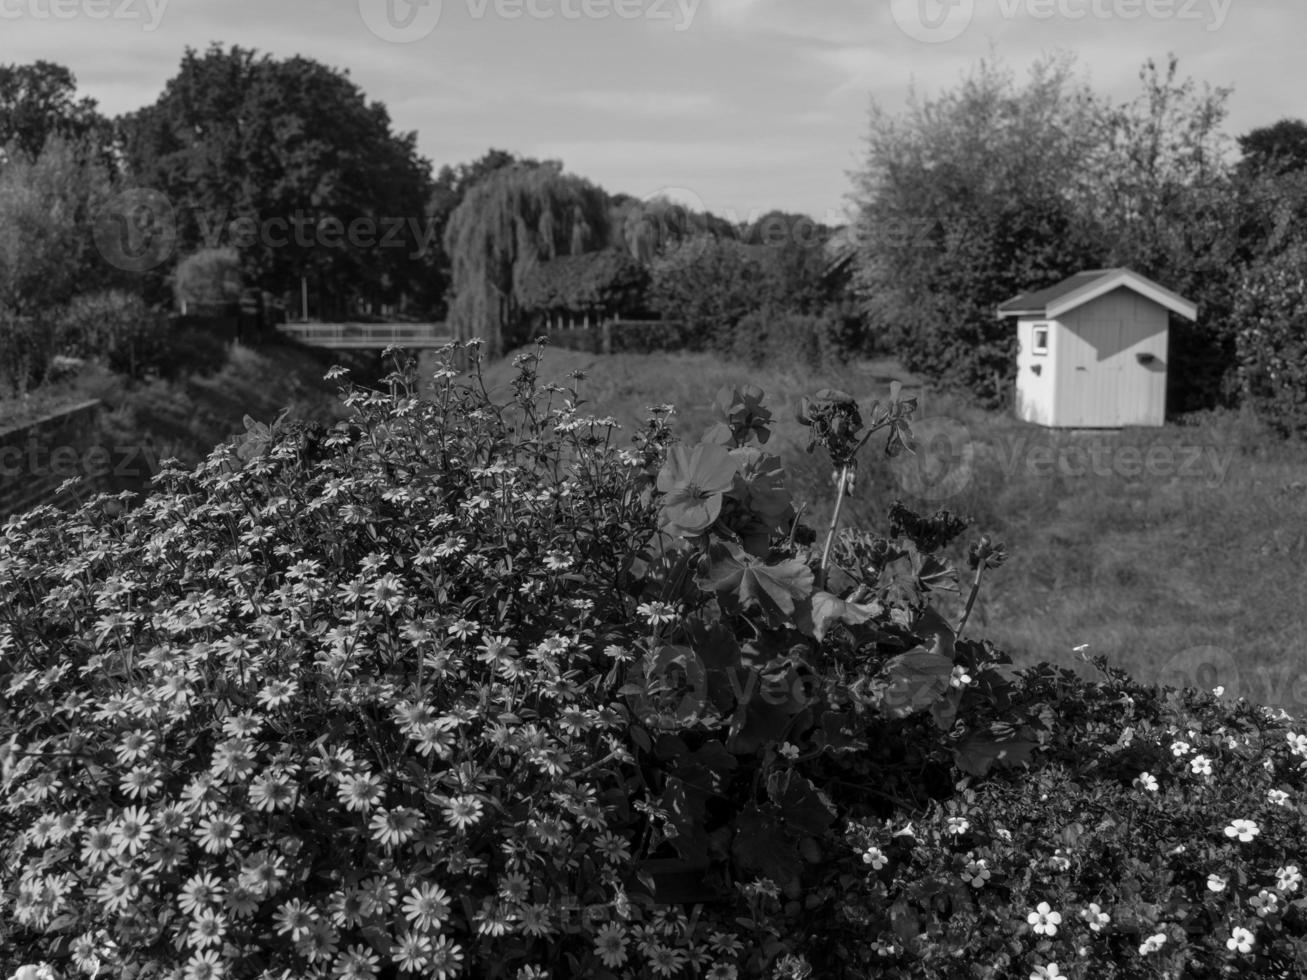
x=966, y=198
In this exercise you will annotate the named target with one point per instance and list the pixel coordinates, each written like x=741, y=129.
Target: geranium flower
x=692, y=484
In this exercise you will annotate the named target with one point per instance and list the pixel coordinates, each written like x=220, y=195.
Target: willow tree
x=518, y=217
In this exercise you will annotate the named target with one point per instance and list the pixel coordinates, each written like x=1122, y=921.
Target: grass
x=1182, y=560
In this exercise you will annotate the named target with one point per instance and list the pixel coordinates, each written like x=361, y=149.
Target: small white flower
x=875, y=857
x=1217, y=883
x=1146, y=781
x=1201, y=765
x=958, y=825
x=789, y=751
x=1277, y=796
x=1095, y=916
x=1297, y=743
x=1044, y=919
x=1219, y=690
x=976, y=874
x=1241, y=940
x=1265, y=902
x=1180, y=748
x=1050, y=972
x=1245, y=830
x=959, y=678
x=1288, y=878
x=1152, y=944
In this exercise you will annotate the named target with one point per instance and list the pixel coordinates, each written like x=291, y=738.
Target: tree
x=709, y=284
x=40, y=100
x=48, y=204
x=510, y=221
x=1276, y=149
x=447, y=192
x=603, y=283
x=209, y=278
x=967, y=199
x=322, y=184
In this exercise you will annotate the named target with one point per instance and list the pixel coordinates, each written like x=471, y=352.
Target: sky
x=736, y=106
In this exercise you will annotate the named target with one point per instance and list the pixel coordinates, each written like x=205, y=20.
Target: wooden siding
x=1099, y=380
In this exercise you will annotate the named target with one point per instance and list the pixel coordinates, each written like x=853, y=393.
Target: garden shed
x=1092, y=350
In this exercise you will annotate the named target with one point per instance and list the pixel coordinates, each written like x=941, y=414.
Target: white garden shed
x=1092, y=350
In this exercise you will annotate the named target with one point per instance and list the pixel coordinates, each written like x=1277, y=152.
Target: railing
x=367, y=335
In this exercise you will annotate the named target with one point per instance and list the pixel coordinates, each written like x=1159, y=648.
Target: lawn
x=1178, y=552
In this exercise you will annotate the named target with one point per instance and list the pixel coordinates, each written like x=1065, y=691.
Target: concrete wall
x=36, y=457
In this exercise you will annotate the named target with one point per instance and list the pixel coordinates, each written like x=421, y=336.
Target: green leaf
x=977, y=755
x=916, y=680
x=828, y=609
x=801, y=805
x=773, y=588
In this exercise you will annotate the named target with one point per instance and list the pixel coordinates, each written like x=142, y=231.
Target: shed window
x=1039, y=344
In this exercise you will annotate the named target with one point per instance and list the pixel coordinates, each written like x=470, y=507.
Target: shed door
x=1093, y=375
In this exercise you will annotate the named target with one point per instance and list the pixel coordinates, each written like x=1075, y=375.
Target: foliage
x=607, y=282
x=236, y=139
x=1270, y=315
x=709, y=284
x=455, y=686
x=38, y=101
x=28, y=347
x=47, y=206
x=816, y=341
x=514, y=219
x=209, y=278
x=119, y=329
x=1276, y=149
x=966, y=200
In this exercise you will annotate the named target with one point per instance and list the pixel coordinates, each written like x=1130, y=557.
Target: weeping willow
x=513, y=220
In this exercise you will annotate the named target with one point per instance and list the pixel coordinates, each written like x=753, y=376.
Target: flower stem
x=971, y=599
x=834, y=523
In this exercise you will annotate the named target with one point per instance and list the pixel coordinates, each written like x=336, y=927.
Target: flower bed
x=461, y=688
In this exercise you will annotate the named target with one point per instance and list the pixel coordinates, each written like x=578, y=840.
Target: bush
x=118, y=328
x=463, y=688
x=28, y=346
x=1270, y=316
x=819, y=341
x=209, y=280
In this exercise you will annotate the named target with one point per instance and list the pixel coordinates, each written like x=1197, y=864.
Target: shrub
x=462, y=687
x=819, y=341
x=118, y=328
x=208, y=280
x=28, y=346
x=1270, y=316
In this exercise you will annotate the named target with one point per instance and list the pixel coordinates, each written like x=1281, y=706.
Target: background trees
x=239, y=136
x=513, y=219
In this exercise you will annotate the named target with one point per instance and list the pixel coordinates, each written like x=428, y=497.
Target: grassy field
x=1179, y=552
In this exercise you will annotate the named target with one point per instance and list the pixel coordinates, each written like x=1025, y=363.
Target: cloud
x=647, y=104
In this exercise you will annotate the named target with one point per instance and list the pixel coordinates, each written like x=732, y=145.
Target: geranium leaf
x=828, y=609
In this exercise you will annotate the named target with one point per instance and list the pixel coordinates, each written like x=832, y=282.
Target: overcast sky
x=742, y=105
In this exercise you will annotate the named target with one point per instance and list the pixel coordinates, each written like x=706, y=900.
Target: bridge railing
x=367, y=334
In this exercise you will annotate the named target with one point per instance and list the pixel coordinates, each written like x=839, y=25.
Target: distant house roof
x=1053, y=301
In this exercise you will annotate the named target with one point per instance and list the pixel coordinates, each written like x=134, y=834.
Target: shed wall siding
x=1099, y=381
x=1034, y=402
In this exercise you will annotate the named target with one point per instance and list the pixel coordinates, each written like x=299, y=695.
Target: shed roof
x=1053, y=301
